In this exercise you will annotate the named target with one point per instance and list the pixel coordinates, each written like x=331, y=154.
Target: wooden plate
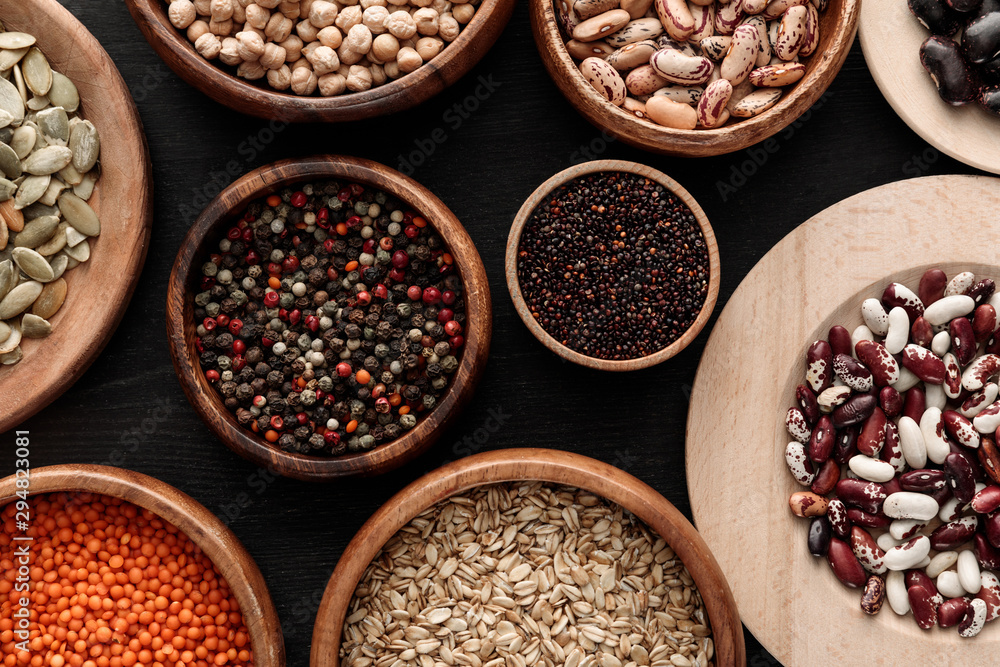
x=100, y=289
x=890, y=38
x=546, y=465
x=194, y=520
x=738, y=482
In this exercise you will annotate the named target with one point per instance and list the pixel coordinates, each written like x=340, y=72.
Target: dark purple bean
x=964, y=6
x=981, y=38
x=989, y=98
x=819, y=536
x=846, y=444
x=936, y=16
x=943, y=60
x=961, y=477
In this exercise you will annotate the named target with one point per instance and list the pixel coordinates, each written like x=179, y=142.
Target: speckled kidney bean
x=963, y=340
x=859, y=493
x=987, y=500
x=989, y=593
x=896, y=294
x=853, y=373
x=921, y=332
x=923, y=480
x=806, y=399
x=979, y=401
x=859, y=517
x=676, y=18
x=677, y=67
x=713, y=102
x=742, y=54
x=979, y=371
x=799, y=464
x=989, y=458
x=982, y=291
x=892, y=453
x=807, y=503
x=960, y=428
x=923, y=608
x=797, y=425
x=601, y=26
x=924, y=364
x=854, y=410
x=951, y=612
x=836, y=512
x=986, y=553
x=872, y=436
x=883, y=367
x=914, y=403
x=984, y=322
x=844, y=564
x=867, y=551
x=891, y=402
x=974, y=620
x=873, y=595
x=961, y=477
x=832, y=397
x=954, y=534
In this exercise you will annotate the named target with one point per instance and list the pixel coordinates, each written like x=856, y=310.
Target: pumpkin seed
x=70, y=175
x=73, y=237
x=11, y=216
x=13, y=340
x=51, y=298
x=12, y=357
x=7, y=189
x=54, y=124
x=86, y=187
x=36, y=232
x=5, y=119
x=85, y=143
x=39, y=209
x=31, y=190
x=4, y=331
x=16, y=40
x=55, y=189
x=22, y=90
x=54, y=244
x=58, y=264
x=48, y=160
x=80, y=252
x=79, y=214
x=64, y=93
x=10, y=164
x=33, y=326
x=4, y=235
x=11, y=101
x=37, y=71
x=11, y=57
x=33, y=264
x=6, y=134
x=23, y=141
x=18, y=299
x=70, y=262
x=8, y=277
x=38, y=102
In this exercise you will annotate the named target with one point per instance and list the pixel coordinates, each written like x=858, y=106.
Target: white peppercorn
x=251, y=46
x=374, y=19
x=401, y=25
x=331, y=36
x=323, y=13
x=463, y=13
x=278, y=28
x=408, y=60
x=428, y=47
x=348, y=18
x=203, y=7
x=306, y=31
x=324, y=60
x=273, y=56
x=378, y=75
x=384, y=48
x=332, y=84
x=347, y=56
x=281, y=78
x=182, y=13
x=426, y=20
x=230, y=53
x=359, y=39
x=293, y=48
x=251, y=71
x=221, y=10
x=360, y=79
x=448, y=27
x=221, y=28
x=304, y=81
x=208, y=46
x=196, y=30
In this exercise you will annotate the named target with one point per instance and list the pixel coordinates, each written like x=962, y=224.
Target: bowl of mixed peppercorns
x=613, y=265
x=330, y=322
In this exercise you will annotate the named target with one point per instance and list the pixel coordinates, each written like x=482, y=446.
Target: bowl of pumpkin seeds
x=75, y=212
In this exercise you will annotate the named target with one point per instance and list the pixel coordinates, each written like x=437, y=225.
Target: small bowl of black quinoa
x=613, y=265
x=328, y=316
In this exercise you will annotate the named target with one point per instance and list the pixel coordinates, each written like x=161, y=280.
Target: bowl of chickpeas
x=320, y=61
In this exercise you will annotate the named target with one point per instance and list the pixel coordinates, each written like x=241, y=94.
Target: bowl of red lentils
x=613, y=265
x=319, y=61
x=105, y=567
x=328, y=316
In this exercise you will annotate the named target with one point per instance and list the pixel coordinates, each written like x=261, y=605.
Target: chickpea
x=196, y=30
x=306, y=31
x=441, y=6
x=332, y=84
x=257, y=16
x=304, y=81
x=398, y=3
x=293, y=48
x=347, y=56
x=448, y=28
x=281, y=78
x=182, y=14
x=421, y=3
x=408, y=43
x=401, y=25
x=273, y=56
x=374, y=19
x=230, y=53
x=378, y=74
x=359, y=39
x=428, y=47
x=289, y=8
x=385, y=47
x=300, y=64
x=323, y=13
x=221, y=28
x=344, y=70
x=222, y=10
x=426, y=20
x=348, y=18
x=203, y=7
x=391, y=70
x=347, y=3
x=360, y=79
x=330, y=36
x=208, y=46
x=243, y=3
x=269, y=4
x=463, y=13
x=365, y=4
x=251, y=46
x=239, y=13
x=324, y=60
x=251, y=71
x=278, y=28
x=305, y=6
x=408, y=60
x=309, y=49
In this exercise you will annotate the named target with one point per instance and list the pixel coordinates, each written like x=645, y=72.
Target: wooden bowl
x=815, y=277
x=223, y=86
x=837, y=27
x=99, y=289
x=210, y=227
x=194, y=520
x=546, y=465
x=514, y=240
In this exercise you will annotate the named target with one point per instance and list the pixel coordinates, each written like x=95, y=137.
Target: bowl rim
x=32, y=397
x=598, y=166
x=705, y=142
x=546, y=465
x=206, y=530
x=475, y=38
x=181, y=330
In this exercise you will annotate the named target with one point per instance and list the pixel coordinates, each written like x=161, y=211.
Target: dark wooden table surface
x=482, y=146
